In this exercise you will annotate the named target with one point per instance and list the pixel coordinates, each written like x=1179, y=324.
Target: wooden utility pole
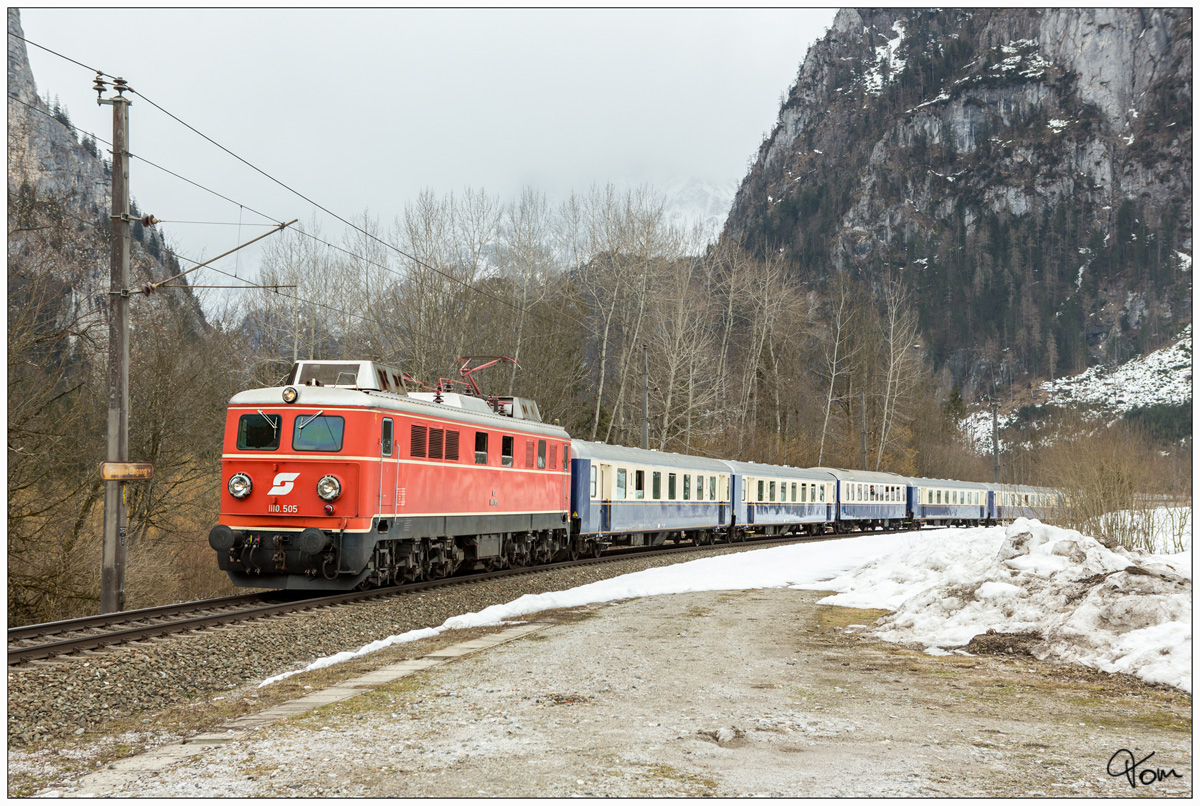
x=112, y=572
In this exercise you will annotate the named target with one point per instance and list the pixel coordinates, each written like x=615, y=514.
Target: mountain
x=51, y=170
x=1025, y=173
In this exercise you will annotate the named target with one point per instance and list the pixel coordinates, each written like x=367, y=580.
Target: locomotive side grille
x=418, y=440
x=529, y=453
x=435, y=443
x=452, y=446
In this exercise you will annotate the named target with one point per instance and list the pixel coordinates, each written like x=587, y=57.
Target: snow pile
x=1162, y=377
x=1117, y=611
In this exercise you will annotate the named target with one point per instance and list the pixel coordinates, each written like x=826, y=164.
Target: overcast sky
x=361, y=109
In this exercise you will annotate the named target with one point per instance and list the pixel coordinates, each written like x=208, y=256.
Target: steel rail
x=20, y=655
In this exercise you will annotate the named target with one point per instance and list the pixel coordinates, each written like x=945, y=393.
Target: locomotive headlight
x=290, y=394
x=240, y=485
x=329, y=487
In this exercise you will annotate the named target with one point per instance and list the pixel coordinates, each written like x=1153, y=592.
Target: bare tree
x=901, y=364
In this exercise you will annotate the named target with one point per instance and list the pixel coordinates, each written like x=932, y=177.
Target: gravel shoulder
x=707, y=694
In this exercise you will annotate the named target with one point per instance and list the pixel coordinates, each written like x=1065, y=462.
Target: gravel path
x=90, y=706
x=727, y=694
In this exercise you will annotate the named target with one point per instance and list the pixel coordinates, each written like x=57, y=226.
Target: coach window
x=620, y=484
x=506, y=451
x=670, y=486
x=761, y=489
x=656, y=481
x=687, y=486
x=639, y=484
x=822, y=493
x=699, y=488
x=712, y=488
x=481, y=439
x=593, y=481
x=541, y=454
x=385, y=440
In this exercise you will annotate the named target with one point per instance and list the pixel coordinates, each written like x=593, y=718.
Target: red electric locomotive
x=343, y=479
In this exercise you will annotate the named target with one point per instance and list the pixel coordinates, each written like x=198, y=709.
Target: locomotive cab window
x=318, y=432
x=386, y=439
x=481, y=447
x=258, y=432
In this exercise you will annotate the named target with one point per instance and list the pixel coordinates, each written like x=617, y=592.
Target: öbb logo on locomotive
x=414, y=483
x=283, y=483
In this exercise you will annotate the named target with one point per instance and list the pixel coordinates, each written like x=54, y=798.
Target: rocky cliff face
x=42, y=151
x=50, y=168
x=1004, y=164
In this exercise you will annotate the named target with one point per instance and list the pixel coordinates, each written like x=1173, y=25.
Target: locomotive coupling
x=222, y=538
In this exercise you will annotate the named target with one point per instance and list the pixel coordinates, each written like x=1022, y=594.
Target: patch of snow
x=886, y=54
x=1163, y=377
x=943, y=96
x=1185, y=261
x=1057, y=125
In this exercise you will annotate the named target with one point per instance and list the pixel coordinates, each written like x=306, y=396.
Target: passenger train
x=343, y=478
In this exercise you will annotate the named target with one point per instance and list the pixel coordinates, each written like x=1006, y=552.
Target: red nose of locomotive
x=309, y=493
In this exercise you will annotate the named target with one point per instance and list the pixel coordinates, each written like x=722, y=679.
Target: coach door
x=605, y=499
x=723, y=493
x=387, y=469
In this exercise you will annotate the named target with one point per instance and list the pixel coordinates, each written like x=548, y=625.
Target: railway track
x=43, y=641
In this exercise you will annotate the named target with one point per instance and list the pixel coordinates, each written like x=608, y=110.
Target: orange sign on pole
x=126, y=471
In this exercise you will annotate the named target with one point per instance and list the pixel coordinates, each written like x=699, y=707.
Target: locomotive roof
x=757, y=469
x=316, y=396
x=620, y=453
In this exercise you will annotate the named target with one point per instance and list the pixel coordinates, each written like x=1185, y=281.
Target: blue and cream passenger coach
x=868, y=499
x=628, y=496
x=773, y=500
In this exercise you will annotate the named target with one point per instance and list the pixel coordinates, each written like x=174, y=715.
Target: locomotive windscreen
x=258, y=432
